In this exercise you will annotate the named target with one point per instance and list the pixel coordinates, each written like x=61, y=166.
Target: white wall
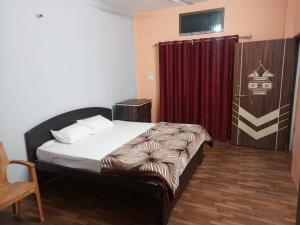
x=76, y=56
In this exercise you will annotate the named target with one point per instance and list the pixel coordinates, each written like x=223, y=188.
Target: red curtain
x=196, y=80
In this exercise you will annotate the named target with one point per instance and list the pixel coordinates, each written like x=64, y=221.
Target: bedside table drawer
x=127, y=113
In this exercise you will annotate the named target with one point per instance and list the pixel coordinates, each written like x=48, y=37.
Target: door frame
x=294, y=95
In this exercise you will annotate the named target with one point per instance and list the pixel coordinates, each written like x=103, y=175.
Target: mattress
x=87, y=153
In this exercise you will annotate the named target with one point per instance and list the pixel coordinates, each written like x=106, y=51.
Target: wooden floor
x=233, y=186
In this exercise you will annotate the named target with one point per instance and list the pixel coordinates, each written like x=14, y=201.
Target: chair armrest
x=24, y=163
x=30, y=166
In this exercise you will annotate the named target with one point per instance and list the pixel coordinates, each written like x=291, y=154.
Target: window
x=210, y=21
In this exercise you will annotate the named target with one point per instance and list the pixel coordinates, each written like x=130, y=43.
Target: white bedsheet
x=86, y=153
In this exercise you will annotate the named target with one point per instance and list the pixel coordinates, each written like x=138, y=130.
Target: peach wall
x=292, y=23
x=264, y=19
x=290, y=19
x=298, y=17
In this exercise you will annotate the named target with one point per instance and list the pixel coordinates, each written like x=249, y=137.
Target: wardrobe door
x=261, y=107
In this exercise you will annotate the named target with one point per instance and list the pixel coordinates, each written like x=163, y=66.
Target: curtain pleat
x=196, y=83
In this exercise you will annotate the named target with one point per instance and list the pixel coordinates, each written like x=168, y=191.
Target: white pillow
x=96, y=123
x=72, y=133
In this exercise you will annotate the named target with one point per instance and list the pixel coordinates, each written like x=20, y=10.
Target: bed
x=83, y=161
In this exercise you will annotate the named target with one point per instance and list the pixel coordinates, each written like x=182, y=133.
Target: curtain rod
x=218, y=38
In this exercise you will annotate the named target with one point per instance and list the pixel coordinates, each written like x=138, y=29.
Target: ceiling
x=132, y=6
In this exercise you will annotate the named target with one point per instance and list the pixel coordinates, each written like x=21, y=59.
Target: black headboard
x=41, y=133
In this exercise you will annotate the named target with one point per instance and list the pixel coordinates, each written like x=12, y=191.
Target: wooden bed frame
x=41, y=134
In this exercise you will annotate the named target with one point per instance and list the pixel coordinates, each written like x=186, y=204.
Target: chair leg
x=16, y=208
x=39, y=203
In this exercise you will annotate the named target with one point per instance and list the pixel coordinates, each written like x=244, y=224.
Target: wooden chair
x=13, y=193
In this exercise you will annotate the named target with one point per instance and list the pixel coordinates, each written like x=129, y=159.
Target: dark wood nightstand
x=137, y=110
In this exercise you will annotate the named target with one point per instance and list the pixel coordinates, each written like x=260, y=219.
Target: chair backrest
x=3, y=164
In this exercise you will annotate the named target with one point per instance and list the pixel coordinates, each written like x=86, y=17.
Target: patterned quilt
x=163, y=151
